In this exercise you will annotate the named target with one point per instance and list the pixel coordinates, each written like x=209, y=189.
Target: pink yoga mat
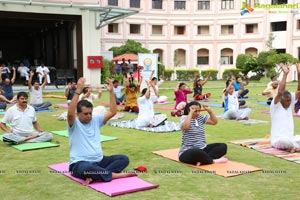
x=113, y=188
x=64, y=105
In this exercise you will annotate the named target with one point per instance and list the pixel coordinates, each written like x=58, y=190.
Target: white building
x=205, y=34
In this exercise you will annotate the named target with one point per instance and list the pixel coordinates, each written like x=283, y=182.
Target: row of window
x=201, y=29
x=202, y=4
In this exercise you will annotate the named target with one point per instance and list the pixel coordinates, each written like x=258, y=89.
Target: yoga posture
x=281, y=109
x=238, y=83
x=198, y=87
x=232, y=108
x=154, y=95
x=146, y=117
x=24, y=126
x=194, y=149
x=120, y=99
x=86, y=157
x=131, y=89
x=181, y=96
x=70, y=91
x=89, y=96
x=271, y=92
x=36, y=93
x=6, y=85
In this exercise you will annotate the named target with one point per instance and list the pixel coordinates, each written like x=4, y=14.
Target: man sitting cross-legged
x=86, y=157
x=23, y=122
x=281, y=109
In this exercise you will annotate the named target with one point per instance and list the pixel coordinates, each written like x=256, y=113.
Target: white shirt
x=282, y=120
x=23, y=70
x=41, y=70
x=232, y=101
x=118, y=91
x=146, y=111
x=20, y=122
x=89, y=98
x=36, y=96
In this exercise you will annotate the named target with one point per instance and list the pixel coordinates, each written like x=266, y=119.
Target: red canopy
x=127, y=56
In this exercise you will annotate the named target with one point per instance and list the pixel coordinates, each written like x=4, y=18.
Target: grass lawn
x=138, y=145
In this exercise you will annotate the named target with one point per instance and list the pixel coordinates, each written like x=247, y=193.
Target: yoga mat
x=162, y=103
x=64, y=105
x=39, y=111
x=117, y=116
x=103, y=138
x=113, y=188
x=228, y=169
x=54, y=96
x=108, y=103
x=2, y=112
x=215, y=105
x=245, y=99
x=32, y=146
x=245, y=122
x=166, y=108
x=267, y=112
x=168, y=127
x=204, y=100
x=263, y=145
x=262, y=103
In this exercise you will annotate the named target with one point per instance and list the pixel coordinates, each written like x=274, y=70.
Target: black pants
x=204, y=156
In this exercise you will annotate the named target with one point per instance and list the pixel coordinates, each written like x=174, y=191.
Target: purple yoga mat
x=113, y=188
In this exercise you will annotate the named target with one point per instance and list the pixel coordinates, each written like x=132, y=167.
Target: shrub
x=105, y=71
x=228, y=72
x=168, y=73
x=186, y=75
x=213, y=73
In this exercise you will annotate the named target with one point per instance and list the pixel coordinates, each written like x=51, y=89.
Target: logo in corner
x=246, y=8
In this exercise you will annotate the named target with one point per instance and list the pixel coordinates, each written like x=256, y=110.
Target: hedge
x=213, y=73
x=228, y=72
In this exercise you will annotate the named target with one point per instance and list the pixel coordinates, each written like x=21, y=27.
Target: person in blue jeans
x=87, y=161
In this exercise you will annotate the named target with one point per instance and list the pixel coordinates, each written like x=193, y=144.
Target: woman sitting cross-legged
x=194, y=149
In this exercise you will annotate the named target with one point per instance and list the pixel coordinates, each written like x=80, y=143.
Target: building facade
x=206, y=34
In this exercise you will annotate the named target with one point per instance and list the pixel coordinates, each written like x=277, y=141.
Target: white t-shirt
x=36, y=96
x=232, y=101
x=20, y=122
x=146, y=111
x=282, y=120
x=118, y=91
x=23, y=70
x=89, y=98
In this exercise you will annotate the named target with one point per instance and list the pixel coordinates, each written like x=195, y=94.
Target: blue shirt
x=236, y=86
x=84, y=140
x=8, y=91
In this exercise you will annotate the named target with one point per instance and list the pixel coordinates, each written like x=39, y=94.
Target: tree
x=269, y=42
x=247, y=63
x=262, y=60
x=130, y=46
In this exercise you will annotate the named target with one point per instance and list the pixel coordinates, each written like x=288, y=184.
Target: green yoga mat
x=64, y=133
x=32, y=146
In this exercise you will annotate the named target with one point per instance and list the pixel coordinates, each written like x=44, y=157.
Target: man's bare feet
x=220, y=160
x=198, y=164
x=123, y=175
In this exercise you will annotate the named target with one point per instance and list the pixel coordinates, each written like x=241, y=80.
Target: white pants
x=159, y=99
x=41, y=78
x=43, y=137
x=240, y=113
x=286, y=143
x=181, y=106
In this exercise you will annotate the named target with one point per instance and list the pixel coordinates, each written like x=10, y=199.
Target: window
x=226, y=29
x=280, y=51
x=179, y=5
x=157, y=29
x=135, y=28
x=251, y=28
x=156, y=4
x=134, y=3
x=202, y=60
x=203, y=30
x=251, y=2
x=113, y=28
x=298, y=24
x=278, y=26
x=226, y=60
x=279, y=2
x=203, y=5
x=112, y=2
x=179, y=30
x=227, y=4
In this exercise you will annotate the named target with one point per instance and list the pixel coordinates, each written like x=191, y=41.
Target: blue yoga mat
x=215, y=105
x=262, y=103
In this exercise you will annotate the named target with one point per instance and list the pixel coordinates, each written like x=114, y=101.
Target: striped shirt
x=194, y=137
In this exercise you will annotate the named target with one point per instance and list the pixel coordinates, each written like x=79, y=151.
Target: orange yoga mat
x=54, y=96
x=228, y=169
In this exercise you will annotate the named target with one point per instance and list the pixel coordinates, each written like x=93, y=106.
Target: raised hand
x=298, y=67
x=109, y=86
x=284, y=68
x=207, y=108
x=80, y=83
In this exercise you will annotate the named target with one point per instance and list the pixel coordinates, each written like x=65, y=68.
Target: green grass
x=138, y=145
